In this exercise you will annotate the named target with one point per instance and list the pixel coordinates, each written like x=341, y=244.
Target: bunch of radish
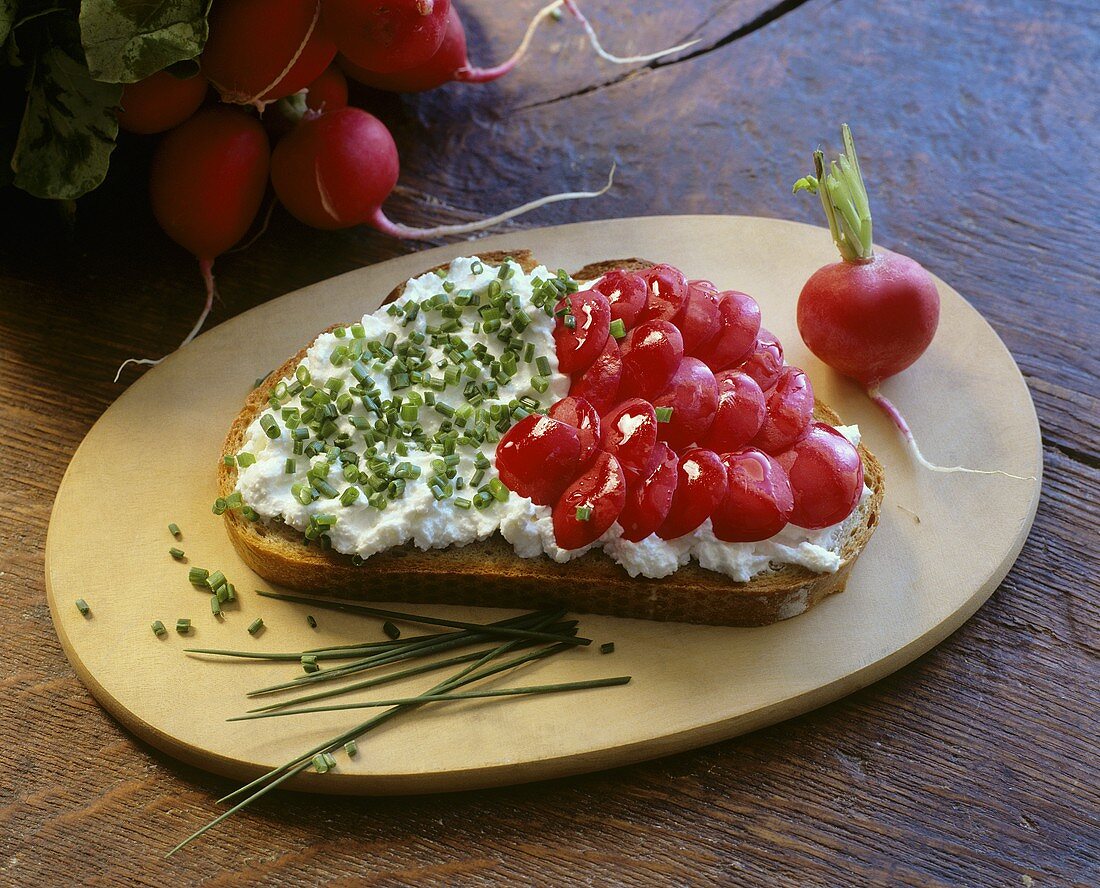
x=333, y=165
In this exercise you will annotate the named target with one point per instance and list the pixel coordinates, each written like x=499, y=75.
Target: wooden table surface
x=976, y=765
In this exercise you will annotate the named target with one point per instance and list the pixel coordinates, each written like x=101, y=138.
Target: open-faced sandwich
x=619, y=441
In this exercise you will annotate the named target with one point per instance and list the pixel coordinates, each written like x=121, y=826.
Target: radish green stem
x=895, y=415
x=206, y=267
x=844, y=198
x=610, y=57
x=396, y=229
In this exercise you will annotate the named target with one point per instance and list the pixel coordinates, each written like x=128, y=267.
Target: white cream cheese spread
x=402, y=484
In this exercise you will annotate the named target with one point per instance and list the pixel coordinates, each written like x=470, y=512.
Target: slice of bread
x=489, y=573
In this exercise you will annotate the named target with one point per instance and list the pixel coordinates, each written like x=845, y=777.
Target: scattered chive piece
x=183, y=625
x=618, y=328
x=309, y=663
x=197, y=576
x=158, y=629
x=176, y=553
x=256, y=626
x=312, y=621
x=214, y=580
x=82, y=606
x=542, y=364
x=215, y=606
x=320, y=764
x=391, y=630
x=664, y=414
x=351, y=748
x=174, y=529
x=583, y=513
x=607, y=648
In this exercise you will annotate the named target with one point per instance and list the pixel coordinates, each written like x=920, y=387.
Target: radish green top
x=844, y=197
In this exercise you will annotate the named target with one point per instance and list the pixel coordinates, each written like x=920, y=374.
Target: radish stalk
x=874, y=313
x=380, y=222
x=610, y=57
x=206, y=268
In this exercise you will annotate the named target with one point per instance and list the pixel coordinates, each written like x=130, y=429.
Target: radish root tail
x=467, y=74
x=206, y=267
x=610, y=57
x=380, y=222
x=890, y=410
x=263, y=228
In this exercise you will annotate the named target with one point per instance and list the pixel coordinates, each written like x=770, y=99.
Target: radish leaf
x=127, y=40
x=68, y=130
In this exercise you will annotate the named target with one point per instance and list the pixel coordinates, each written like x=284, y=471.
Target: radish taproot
x=335, y=170
x=206, y=184
x=387, y=35
x=160, y=102
x=874, y=313
x=260, y=51
x=450, y=63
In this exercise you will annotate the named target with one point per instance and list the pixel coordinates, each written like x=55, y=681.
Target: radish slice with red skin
x=739, y=320
x=789, y=414
x=758, y=501
x=626, y=293
x=651, y=353
x=387, y=35
x=629, y=433
x=700, y=321
x=766, y=360
x=700, y=487
x=601, y=490
x=600, y=383
x=649, y=495
x=693, y=396
x=667, y=292
x=578, y=346
x=826, y=477
x=538, y=458
x=581, y=415
x=260, y=51
x=740, y=412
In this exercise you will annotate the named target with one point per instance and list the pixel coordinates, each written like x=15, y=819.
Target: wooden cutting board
x=944, y=544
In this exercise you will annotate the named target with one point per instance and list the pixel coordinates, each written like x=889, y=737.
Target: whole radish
x=259, y=51
x=160, y=102
x=387, y=35
x=874, y=313
x=335, y=170
x=206, y=184
x=449, y=63
x=329, y=91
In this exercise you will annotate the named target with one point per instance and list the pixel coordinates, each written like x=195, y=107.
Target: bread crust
x=489, y=573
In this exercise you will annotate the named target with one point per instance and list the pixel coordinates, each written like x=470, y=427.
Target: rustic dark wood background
x=975, y=765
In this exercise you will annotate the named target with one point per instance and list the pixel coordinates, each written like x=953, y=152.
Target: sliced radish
x=766, y=360
x=790, y=411
x=700, y=320
x=692, y=395
x=740, y=413
x=626, y=292
x=581, y=331
x=667, y=292
x=739, y=324
x=538, y=457
x=591, y=504
x=599, y=384
x=826, y=476
x=700, y=487
x=758, y=502
x=651, y=353
x=582, y=416
x=649, y=495
x=629, y=433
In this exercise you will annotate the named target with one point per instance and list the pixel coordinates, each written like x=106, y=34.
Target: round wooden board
x=944, y=544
